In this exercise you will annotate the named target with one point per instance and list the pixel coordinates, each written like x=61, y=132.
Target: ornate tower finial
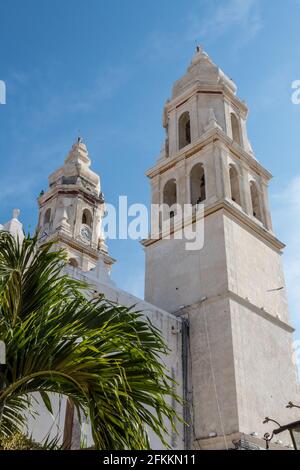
x=16, y=213
x=71, y=210
x=79, y=138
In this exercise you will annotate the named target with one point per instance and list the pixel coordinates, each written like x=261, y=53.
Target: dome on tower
x=76, y=169
x=202, y=71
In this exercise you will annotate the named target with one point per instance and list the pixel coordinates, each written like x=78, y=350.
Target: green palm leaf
x=105, y=358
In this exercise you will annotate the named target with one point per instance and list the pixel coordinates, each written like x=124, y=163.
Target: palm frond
x=104, y=357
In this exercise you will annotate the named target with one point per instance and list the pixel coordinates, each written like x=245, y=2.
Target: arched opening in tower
x=87, y=218
x=255, y=199
x=170, y=196
x=234, y=185
x=197, y=184
x=184, y=126
x=73, y=262
x=47, y=217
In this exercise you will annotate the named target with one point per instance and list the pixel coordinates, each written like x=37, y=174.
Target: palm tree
x=105, y=358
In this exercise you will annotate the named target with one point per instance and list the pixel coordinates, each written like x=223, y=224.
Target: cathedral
x=221, y=309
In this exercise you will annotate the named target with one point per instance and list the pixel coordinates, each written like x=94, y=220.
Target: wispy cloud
x=105, y=85
x=8, y=190
x=21, y=183
x=161, y=45
x=224, y=16
x=69, y=99
x=206, y=23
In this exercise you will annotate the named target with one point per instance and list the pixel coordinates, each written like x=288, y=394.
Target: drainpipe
x=185, y=379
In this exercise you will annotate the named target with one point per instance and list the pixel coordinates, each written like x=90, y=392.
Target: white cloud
x=286, y=219
x=104, y=87
x=72, y=99
x=206, y=23
x=226, y=16
x=162, y=46
x=8, y=190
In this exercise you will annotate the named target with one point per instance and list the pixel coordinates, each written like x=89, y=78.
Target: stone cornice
x=209, y=88
x=253, y=226
x=76, y=244
x=69, y=190
x=240, y=300
x=240, y=216
x=79, y=246
x=260, y=311
x=209, y=137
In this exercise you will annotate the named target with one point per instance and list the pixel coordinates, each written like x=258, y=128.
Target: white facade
x=234, y=362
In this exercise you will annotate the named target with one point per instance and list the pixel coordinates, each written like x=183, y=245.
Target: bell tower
x=72, y=209
x=232, y=290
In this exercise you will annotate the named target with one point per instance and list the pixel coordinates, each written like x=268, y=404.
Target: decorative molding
x=207, y=89
x=229, y=294
x=209, y=137
x=254, y=227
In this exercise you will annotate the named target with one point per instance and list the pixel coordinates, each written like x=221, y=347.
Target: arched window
x=170, y=195
x=47, y=216
x=235, y=127
x=197, y=184
x=184, y=130
x=73, y=262
x=87, y=218
x=255, y=199
x=234, y=185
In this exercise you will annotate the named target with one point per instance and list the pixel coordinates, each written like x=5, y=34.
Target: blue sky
x=107, y=68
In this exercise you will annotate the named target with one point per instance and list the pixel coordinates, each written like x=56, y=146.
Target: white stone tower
x=232, y=290
x=71, y=212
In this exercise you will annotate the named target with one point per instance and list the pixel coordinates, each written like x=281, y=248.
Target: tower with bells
x=71, y=212
x=240, y=366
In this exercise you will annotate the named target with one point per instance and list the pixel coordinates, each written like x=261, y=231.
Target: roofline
x=211, y=136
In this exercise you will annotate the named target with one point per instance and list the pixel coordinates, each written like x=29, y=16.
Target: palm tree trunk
x=68, y=426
